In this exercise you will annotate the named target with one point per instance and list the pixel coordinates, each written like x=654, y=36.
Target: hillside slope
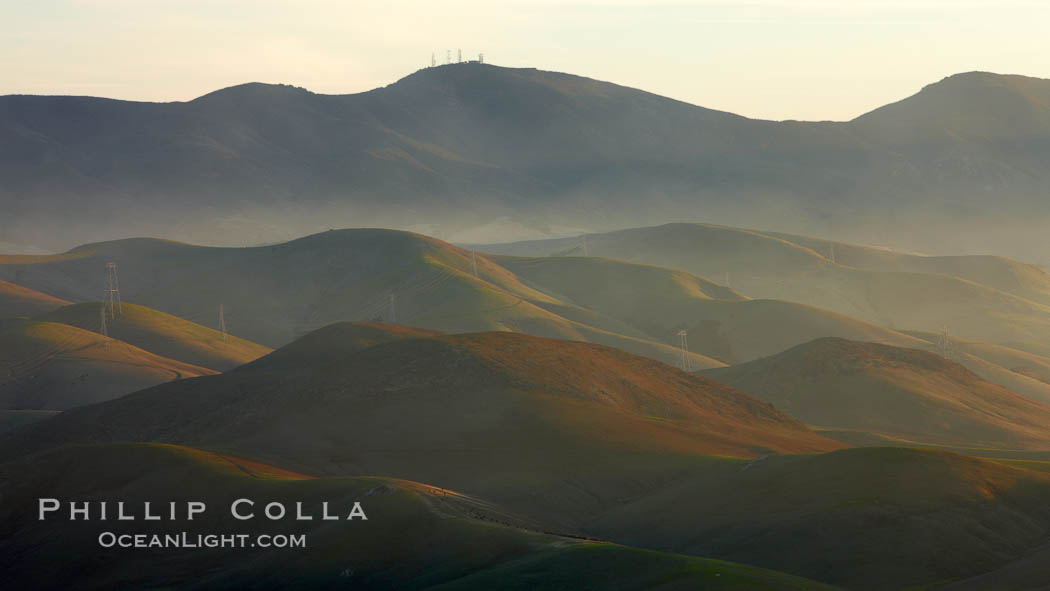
x=16, y=300
x=411, y=528
x=905, y=393
x=866, y=518
x=274, y=294
x=906, y=295
x=51, y=366
x=478, y=150
x=530, y=423
x=164, y=334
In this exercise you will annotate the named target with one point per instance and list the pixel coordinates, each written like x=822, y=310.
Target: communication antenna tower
x=113, y=290
x=683, y=344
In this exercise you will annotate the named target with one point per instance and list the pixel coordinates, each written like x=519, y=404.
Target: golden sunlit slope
x=892, y=391
x=522, y=420
x=865, y=518
x=52, y=366
x=416, y=536
x=761, y=265
x=164, y=334
x=660, y=302
x=273, y=294
x=16, y=300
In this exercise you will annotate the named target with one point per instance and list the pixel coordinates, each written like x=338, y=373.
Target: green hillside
x=416, y=537
x=52, y=366
x=866, y=518
x=16, y=300
x=891, y=391
x=520, y=420
x=163, y=334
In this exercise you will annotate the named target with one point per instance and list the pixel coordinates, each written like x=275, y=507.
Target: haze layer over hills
x=474, y=151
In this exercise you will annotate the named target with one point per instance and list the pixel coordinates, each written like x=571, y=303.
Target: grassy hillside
x=660, y=302
x=475, y=149
x=891, y=391
x=868, y=518
x=274, y=294
x=52, y=366
x=981, y=298
x=164, y=334
x=16, y=300
x=528, y=422
x=416, y=536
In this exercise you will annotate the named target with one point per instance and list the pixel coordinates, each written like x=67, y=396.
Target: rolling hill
x=164, y=334
x=892, y=391
x=273, y=294
x=476, y=152
x=417, y=536
x=544, y=427
x=903, y=294
x=16, y=300
x=52, y=366
x=720, y=323
x=864, y=518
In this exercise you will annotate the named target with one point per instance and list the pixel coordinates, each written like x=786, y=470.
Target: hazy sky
x=776, y=59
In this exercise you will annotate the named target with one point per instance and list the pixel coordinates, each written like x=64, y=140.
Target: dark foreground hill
x=865, y=518
x=484, y=151
x=892, y=391
x=543, y=426
x=416, y=536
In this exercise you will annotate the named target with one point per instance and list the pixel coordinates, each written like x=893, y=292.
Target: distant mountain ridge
x=473, y=151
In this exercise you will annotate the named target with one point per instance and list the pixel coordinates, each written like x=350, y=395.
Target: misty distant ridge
x=473, y=152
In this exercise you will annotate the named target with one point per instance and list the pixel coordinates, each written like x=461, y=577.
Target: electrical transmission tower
x=586, y=252
x=944, y=344
x=103, y=329
x=393, y=309
x=448, y=56
x=831, y=247
x=222, y=321
x=459, y=56
x=481, y=58
x=683, y=344
x=474, y=261
x=727, y=279
x=113, y=290
x=433, y=60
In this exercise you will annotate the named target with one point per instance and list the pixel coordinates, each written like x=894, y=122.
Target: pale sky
x=772, y=59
